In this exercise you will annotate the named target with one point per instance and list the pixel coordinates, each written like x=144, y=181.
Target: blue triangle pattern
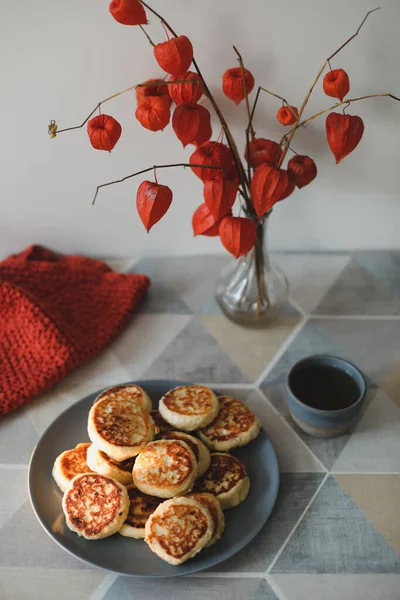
x=336, y=537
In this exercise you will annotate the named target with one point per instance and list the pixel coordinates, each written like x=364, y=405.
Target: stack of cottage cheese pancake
x=164, y=475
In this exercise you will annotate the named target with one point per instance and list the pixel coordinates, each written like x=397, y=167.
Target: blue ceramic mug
x=325, y=394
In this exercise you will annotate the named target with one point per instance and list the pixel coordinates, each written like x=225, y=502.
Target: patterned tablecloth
x=335, y=531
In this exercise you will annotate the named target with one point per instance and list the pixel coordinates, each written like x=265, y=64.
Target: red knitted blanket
x=56, y=312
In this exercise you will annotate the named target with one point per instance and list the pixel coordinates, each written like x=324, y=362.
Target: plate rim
x=244, y=541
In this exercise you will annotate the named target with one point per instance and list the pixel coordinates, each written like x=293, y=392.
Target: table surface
x=335, y=531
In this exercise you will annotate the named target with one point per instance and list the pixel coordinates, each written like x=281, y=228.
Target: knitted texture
x=56, y=312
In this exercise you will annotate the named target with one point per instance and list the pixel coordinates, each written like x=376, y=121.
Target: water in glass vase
x=250, y=291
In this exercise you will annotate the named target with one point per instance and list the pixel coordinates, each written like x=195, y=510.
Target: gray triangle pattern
x=190, y=279
x=161, y=300
x=289, y=310
x=372, y=344
x=195, y=588
x=209, y=307
x=384, y=267
x=13, y=493
x=335, y=537
x=24, y=583
x=197, y=277
x=194, y=355
x=17, y=438
x=295, y=492
x=357, y=292
x=332, y=587
x=164, y=293
x=31, y=546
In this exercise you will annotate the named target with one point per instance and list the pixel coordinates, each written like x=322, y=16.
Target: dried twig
x=147, y=35
x=241, y=63
x=153, y=168
x=156, y=14
x=262, y=89
x=249, y=129
x=229, y=136
x=231, y=142
x=337, y=105
x=314, y=83
x=53, y=131
x=348, y=101
x=353, y=36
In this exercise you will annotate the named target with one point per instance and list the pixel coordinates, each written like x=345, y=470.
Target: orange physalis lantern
x=186, y=93
x=233, y=85
x=287, y=115
x=160, y=90
x=211, y=153
x=302, y=170
x=219, y=196
x=268, y=186
x=263, y=151
x=289, y=190
x=104, y=132
x=128, y=12
x=238, y=235
x=343, y=133
x=192, y=124
x=152, y=202
x=175, y=56
x=203, y=222
x=153, y=112
x=336, y=84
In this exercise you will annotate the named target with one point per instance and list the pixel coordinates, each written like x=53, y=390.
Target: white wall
x=58, y=59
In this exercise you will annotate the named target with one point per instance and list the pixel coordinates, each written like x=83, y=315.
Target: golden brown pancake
x=124, y=465
x=189, y=407
x=120, y=428
x=140, y=509
x=161, y=426
x=236, y=425
x=165, y=468
x=226, y=479
x=215, y=510
x=179, y=529
x=200, y=450
x=95, y=506
x=180, y=435
x=129, y=391
x=101, y=463
x=70, y=463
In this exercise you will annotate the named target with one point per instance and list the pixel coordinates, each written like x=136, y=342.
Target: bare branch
x=153, y=169
x=249, y=129
x=53, y=132
x=353, y=36
x=293, y=131
x=156, y=14
x=147, y=35
x=241, y=63
x=262, y=89
x=337, y=105
x=224, y=124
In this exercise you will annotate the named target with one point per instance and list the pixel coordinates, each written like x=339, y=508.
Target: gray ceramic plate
x=132, y=557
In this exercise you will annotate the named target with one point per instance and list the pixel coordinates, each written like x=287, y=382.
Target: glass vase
x=251, y=291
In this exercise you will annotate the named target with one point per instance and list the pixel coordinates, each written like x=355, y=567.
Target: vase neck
x=261, y=246
x=251, y=289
